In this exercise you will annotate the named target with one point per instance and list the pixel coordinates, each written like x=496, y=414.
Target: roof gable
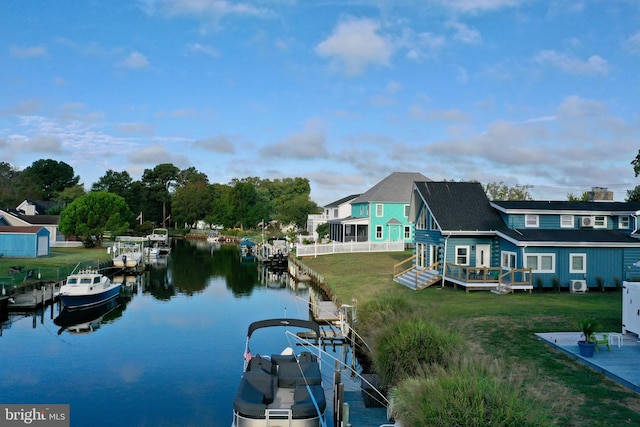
x=395, y=188
x=460, y=206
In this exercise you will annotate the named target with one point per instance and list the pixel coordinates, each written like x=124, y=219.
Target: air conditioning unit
x=586, y=221
x=578, y=286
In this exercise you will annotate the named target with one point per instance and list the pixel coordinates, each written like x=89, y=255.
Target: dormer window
x=531, y=221
x=600, y=221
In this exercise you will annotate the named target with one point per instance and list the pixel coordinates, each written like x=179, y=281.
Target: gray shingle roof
x=460, y=206
x=395, y=188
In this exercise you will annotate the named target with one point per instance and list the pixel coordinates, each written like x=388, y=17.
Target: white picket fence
x=340, y=248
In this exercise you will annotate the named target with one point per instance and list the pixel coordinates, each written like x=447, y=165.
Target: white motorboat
x=280, y=390
x=159, y=236
x=87, y=288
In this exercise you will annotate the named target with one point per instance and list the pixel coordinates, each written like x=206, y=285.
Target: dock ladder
x=280, y=415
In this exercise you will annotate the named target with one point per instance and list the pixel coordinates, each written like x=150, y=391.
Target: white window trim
x=569, y=219
x=600, y=221
x=379, y=232
x=625, y=218
x=468, y=255
x=379, y=210
x=540, y=256
x=406, y=211
x=407, y=232
x=535, y=224
x=510, y=256
x=584, y=263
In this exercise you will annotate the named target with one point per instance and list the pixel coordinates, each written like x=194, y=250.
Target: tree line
x=164, y=195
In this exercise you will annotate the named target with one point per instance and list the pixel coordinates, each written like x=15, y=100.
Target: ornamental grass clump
x=467, y=393
x=402, y=347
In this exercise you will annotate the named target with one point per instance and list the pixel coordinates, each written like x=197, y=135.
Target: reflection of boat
x=86, y=288
x=85, y=320
x=283, y=389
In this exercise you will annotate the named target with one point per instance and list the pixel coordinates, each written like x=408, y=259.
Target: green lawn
x=53, y=267
x=503, y=326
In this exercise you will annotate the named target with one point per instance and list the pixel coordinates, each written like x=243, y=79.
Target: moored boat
x=280, y=390
x=87, y=288
x=159, y=236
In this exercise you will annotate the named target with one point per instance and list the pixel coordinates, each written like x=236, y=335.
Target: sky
x=539, y=94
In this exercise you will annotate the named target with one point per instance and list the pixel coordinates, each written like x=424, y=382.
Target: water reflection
x=88, y=320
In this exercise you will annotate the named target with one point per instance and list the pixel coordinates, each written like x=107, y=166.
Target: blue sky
x=525, y=92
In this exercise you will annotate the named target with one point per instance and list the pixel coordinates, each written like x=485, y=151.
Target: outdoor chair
x=603, y=339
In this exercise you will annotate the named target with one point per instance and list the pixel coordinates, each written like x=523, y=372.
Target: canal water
x=169, y=354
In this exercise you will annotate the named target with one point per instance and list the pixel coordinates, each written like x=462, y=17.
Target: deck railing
x=403, y=266
x=339, y=247
x=469, y=274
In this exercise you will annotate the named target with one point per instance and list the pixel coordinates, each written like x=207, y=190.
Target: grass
x=56, y=266
x=503, y=327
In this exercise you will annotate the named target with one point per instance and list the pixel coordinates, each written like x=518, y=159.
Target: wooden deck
x=619, y=364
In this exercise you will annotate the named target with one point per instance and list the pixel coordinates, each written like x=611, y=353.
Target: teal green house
x=381, y=214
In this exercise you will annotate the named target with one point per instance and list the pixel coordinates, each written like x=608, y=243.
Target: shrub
x=555, y=281
x=404, y=346
x=600, y=283
x=381, y=311
x=467, y=394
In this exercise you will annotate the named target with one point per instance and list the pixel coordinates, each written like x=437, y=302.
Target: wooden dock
x=39, y=296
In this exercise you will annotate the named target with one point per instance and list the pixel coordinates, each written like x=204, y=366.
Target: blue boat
x=87, y=288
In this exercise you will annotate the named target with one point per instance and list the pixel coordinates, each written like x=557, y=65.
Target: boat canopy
x=298, y=323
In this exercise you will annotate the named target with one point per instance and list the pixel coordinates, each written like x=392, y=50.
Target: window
x=406, y=211
x=508, y=260
x=378, y=232
x=541, y=263
x=433, y=224
x=624, y=221
x=362, y=212
x=335, y=213
x=462, y=255
x=407, y=232
x=379, y=209
x=531, y=221
x=421, y=223
x=566, y=221
x=577, y=263
x=599, y=221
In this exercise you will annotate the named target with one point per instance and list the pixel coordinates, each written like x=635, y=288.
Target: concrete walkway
x=621, y=364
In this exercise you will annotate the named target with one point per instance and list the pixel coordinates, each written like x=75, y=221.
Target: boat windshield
x=85, y=280
x=96, y=279
x=72, y=281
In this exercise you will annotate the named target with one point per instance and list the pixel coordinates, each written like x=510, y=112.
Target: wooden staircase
x=418, y=278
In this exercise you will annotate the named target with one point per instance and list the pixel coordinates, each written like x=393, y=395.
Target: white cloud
x=471, y=6
x=355, y=45
x=135, y=60
x=214, y=9
x=632, y=43
x=463, y=33
x=222, y=144
x=572, y=65
x=306, y=145
x=28, y=52
x=203, y=49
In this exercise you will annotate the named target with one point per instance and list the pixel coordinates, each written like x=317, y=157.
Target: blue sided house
x=381, y=214
x=24, y=242
x=463, y=239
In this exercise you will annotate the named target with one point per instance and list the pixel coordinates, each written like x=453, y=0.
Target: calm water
x=170, y=355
